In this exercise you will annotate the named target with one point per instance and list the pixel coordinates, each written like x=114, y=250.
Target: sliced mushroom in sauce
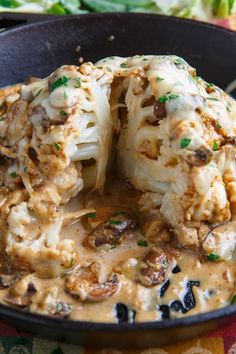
x=83, y=283
x=113, y=231
x=156, y=266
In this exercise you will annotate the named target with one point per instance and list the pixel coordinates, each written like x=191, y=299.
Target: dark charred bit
x=31, y=289
x=200, y=157
x=124, y=313
x=228, y=140
x=176, y=269
x=62, y=309
x=164, y=288
x=178, y=306
x=156, y=266
x=112, y=232
x=189, y=299
x=159, y=112
x=165, y=312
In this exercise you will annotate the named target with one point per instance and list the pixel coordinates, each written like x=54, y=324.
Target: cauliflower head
x=177, y=141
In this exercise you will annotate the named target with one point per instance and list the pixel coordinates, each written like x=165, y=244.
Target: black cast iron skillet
x=39, y=48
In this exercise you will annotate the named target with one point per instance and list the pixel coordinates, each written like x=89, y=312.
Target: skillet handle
x=9, y=19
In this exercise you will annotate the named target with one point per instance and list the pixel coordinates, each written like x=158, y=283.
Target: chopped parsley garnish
x=209, y=85
x=72, y=262
x=120, y=212
x=13, y=174
x=142, y=243
x=233, y=301
x=215, y=146
x=185, y=142
x=123, y=65
x=115, y=222
x=160, y=78
x=57, y=146
x=38, y=93
x=91, y=215
x=212, y=99
x=63, y=114
x=59, y=307
x=218, y=125
x=197, y=78
x=62, y=81
x=228, y=108
x=213, y=257
x=65, y=95
x=108, y=69
x=78, y=82
x=167, y=98
x=179, y=61
x=165, y=264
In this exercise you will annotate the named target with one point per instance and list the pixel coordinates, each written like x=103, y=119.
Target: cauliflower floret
x=177, y=142
x=36, y=246
x=221, y=241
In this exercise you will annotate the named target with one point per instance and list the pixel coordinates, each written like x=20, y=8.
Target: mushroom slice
x=220, y=241
x=7, y=280
x=20, y=293
x=83, y=283
x=113, y=231
x=156, y=266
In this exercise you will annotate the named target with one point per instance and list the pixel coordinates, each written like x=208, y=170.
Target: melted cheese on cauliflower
x=177, y=143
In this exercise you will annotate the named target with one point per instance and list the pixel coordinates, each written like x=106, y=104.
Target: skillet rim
x=7, y=312
x=57, y=18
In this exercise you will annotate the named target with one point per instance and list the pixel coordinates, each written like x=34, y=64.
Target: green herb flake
x=165, y=264
x=72, y=262
x=233, y=301
x=13, y=174
x=212, y=99
x=228, y=108
x=120, y=212
x=59, y=307
x=63, y=114
x=91, y=215
x=78, y=82
x=1, y=118
x=167, y=98
x=115, y=222
x=57, y=146
x=123, y=65
x=142, y=243
x=185, y=142
x=218, y=125
x=65, y=95
x=197, y=78
x=160, y=78
x=38, y=93
x=209, y=85
x=62, y=81
x=215, y=146
x=179, y=61
x=25, y=169
x=108, y=69
x=213, y=257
